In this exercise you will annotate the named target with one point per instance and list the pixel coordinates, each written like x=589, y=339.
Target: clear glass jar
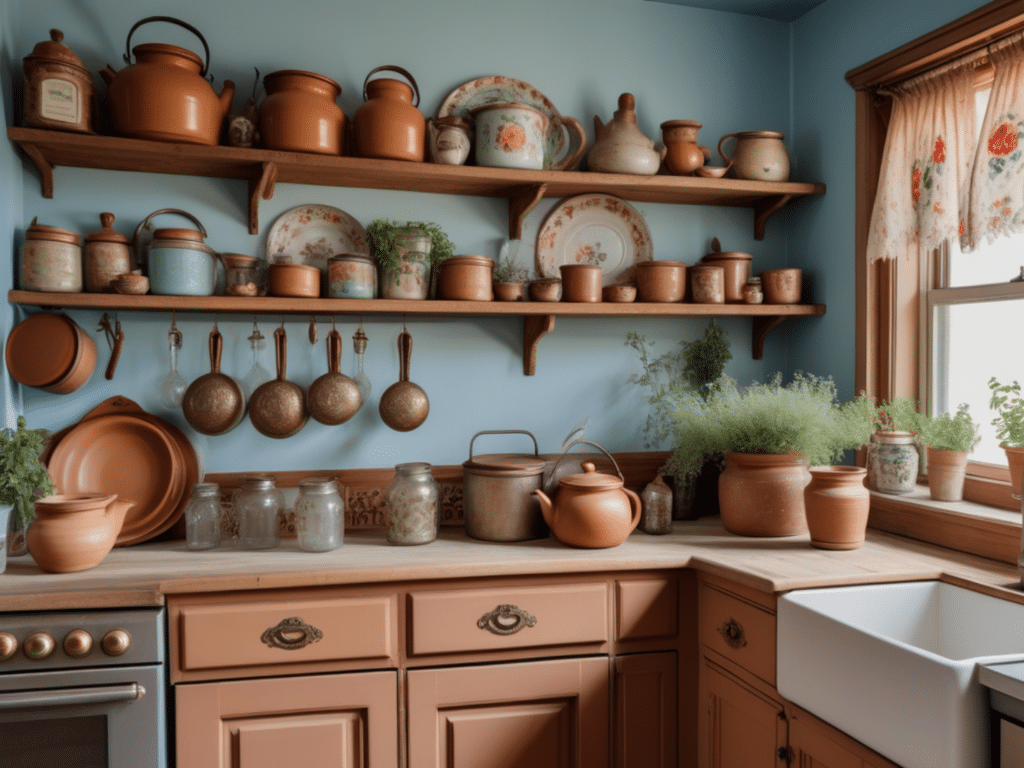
x=656, y=518
x=202, y=517
x=259, y=506
x=413, y=505
x=239, y=275
x=319, y=515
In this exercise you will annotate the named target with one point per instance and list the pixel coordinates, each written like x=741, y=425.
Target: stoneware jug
x=621, y=146
x=591, y=510
x=164, y=95
x=683, y=155
x=449, y=141
x=301, y=114
x=757, y=155
x=388, y=124
x=75, y=531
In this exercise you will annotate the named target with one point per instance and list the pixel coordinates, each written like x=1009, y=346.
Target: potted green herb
x=23, y=479
x=949, y=439
x=893, y=459
x=1009, y=423
x=509, y=280
x=407, y=255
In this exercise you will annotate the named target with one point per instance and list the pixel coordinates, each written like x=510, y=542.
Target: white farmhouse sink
x=894, y=665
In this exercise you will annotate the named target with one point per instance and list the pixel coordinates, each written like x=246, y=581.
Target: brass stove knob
x=116, y=642
x=77, y=643
x=8, y=645
x=39, y=645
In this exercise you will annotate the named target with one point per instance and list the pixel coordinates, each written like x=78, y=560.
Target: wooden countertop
x=142, y=575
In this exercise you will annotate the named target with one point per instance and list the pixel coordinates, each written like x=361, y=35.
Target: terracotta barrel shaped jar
x=51, y=260
x=837, y=502
x=661, y=281
x=388, y=124
x=581, y=282
x=466, y=278
x=946, y=473
x=300, y=113
x=707, y=284
x=763, y=494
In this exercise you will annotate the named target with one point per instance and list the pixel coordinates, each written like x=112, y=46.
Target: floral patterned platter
x=311, y=234
x=594, y=228
x=498, y=89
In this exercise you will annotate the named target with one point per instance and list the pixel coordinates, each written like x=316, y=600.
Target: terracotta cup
x=707, y=284
x=782, y=286
x=661, y=281
x=581, y=283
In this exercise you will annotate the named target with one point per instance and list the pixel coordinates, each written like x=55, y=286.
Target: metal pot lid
x=54, y=50
x=506, y=464
x=591, y=479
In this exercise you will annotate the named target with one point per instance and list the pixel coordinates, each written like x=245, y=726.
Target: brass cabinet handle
x=733, y=634
x=506, y=620
x=291, y=634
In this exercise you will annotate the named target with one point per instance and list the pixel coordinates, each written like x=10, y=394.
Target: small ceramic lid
x=54, y=50
x=238, y=260
x=506, y=464
x=107, y=234
x=191, y=235
x=43, y=232
x=53, y=333
x=660, y=264
x=350, y=257
x=592, y=480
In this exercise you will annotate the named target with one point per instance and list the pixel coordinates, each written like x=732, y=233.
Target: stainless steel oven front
x=83, y=688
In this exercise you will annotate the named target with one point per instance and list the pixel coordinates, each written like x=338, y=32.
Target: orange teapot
x=591, y=510
x=164, y=95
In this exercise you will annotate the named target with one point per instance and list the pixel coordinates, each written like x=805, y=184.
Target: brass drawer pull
x=291, y=634
x=506, y=620
x=733, y=634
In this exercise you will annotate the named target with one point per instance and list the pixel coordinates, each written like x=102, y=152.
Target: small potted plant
x=893, y=460
x=23, y=479
x=949, y=439
x=407, y=254
x=1009, y=423
x=509, y=281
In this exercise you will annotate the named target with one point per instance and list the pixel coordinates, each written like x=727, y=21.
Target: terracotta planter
x=509, y=291
x=1015, y=458
x=581, y=283
x=893, y=462
x=763, y=494
x=465, y=278
x=661, y=281
x=837, y=502
x=946, y=472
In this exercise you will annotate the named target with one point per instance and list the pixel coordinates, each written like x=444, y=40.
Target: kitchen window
x=918, y=319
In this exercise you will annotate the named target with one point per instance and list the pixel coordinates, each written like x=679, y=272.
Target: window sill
x=965, y=526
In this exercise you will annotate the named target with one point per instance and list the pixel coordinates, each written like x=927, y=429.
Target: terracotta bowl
x=623, y=293
x=713, y=171
x=546, y=289
x=782, y=286
x=298, y=280
x=130, y=284
x=508, y=291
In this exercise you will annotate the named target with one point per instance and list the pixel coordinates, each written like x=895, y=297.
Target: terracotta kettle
x=75, y=531
x=164, y=95
x=591, y=510
x=621, y=146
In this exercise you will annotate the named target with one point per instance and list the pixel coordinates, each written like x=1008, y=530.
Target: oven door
x=88, y=718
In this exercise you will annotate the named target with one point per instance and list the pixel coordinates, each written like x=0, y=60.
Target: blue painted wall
x=732, y=72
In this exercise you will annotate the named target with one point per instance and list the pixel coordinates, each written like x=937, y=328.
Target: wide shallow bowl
x=619, y=294
x=130, y=284
x=546, y=289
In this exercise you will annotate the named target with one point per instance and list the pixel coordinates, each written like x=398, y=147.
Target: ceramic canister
x=58, y=87
x=51, y=260
x=466, y=278
x=351, y=276
x=707, y=284
x=510, y=136
x=181, y=264
x=108, y=254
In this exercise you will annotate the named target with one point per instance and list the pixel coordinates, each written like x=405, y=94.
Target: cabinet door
x=644, y=725
x=327, y=721
x=540, y=714
x=740, y=727
x=814, y=743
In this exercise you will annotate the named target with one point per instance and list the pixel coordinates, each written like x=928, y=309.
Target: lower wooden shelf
x=538, y=317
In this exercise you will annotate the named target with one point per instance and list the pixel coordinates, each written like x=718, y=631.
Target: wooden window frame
x=889, y=301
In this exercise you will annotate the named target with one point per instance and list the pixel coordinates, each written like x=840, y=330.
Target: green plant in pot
x=509, y=280
x=1008, y=404
x=768, y=433
x=407, y=255
x=23, y=479
x=949, y=439
x=893, y=458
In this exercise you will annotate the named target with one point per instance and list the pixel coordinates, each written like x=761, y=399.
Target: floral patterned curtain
x=926, y=163
x=997, y=183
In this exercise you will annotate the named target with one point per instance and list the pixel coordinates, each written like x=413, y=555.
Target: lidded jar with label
x=319, y=515
x=413, y=505
x=202, y=517
x=58, y=87
x=51, y=260
x=107, y=254
x=259, y=505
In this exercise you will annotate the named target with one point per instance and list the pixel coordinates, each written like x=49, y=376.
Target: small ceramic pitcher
x=757, y=155
x=683, y=155
x=449, y=142
x=519, y=136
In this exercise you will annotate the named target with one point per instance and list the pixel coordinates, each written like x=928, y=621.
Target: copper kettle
x=164, y=95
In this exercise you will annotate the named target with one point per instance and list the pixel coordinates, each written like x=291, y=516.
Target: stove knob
x=39, y=645
x=8, y=645
x=77, y=643
x=116, y=642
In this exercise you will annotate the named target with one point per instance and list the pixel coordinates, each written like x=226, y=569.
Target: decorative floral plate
x=594, y=228
x=311, y=234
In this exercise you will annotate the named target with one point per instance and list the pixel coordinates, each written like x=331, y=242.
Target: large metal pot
x=497, y=489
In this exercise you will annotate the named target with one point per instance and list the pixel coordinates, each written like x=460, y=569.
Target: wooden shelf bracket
x=535, y=327
x=763, y=211
x=762, y=327
x=263, y=187
x=521, y=201
x=43, y=167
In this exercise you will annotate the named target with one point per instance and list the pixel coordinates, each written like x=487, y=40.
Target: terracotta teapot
x=591, y=510
x=164, y=95
x=621, y=146
x=75, y=531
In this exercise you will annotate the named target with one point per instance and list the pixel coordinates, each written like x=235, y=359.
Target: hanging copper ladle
x=404, y=405
x=333, y=398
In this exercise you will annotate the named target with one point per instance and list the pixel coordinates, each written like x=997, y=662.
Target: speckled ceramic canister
x=51, y=260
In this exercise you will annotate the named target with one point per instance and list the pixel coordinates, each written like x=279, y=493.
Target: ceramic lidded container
x=51, y=260
x=108, y=254
x=58, y=87
x=180, y=263
x=466, y=278
x=351, y=276
x=591, y=510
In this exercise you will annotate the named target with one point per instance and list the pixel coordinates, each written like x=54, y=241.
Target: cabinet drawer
x=512, y=617
x=739, y=630
x=230, y=635
x=647, y=608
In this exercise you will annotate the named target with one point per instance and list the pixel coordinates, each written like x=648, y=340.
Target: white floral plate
x=594, y=228
x=311, y=234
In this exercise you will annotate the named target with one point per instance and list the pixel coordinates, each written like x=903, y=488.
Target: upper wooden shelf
x=264, y=168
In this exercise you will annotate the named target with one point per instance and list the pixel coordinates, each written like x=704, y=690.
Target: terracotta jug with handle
x=75, y=531
x=591, y=510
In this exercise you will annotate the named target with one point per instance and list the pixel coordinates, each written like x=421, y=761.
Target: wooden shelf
x=265, y=168
x=538, y=317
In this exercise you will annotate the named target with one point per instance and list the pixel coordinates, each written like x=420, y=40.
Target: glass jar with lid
x=413, y=505
x=202, y=517
x=319, y=515
x=259, y=505
x=239, y=275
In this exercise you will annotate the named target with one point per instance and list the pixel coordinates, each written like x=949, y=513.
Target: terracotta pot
x=50, y=352
x=623, y=293
x=108, y=254
x=300, y=113
x=591, y=510
x=682, y=154
x=299, y=280
x=581, y=283
x=763, y=494
x=164, y=95
x=736, y=272
x=893, y=461
x=388, y=124
x=509, y=291
x=1015, y=459
x=782, y=286
x=707, y=284
x=74, y=532
x=946, y=473
x=466, y=278
x=836, y=503
x=661, y=281
x=546, y=289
